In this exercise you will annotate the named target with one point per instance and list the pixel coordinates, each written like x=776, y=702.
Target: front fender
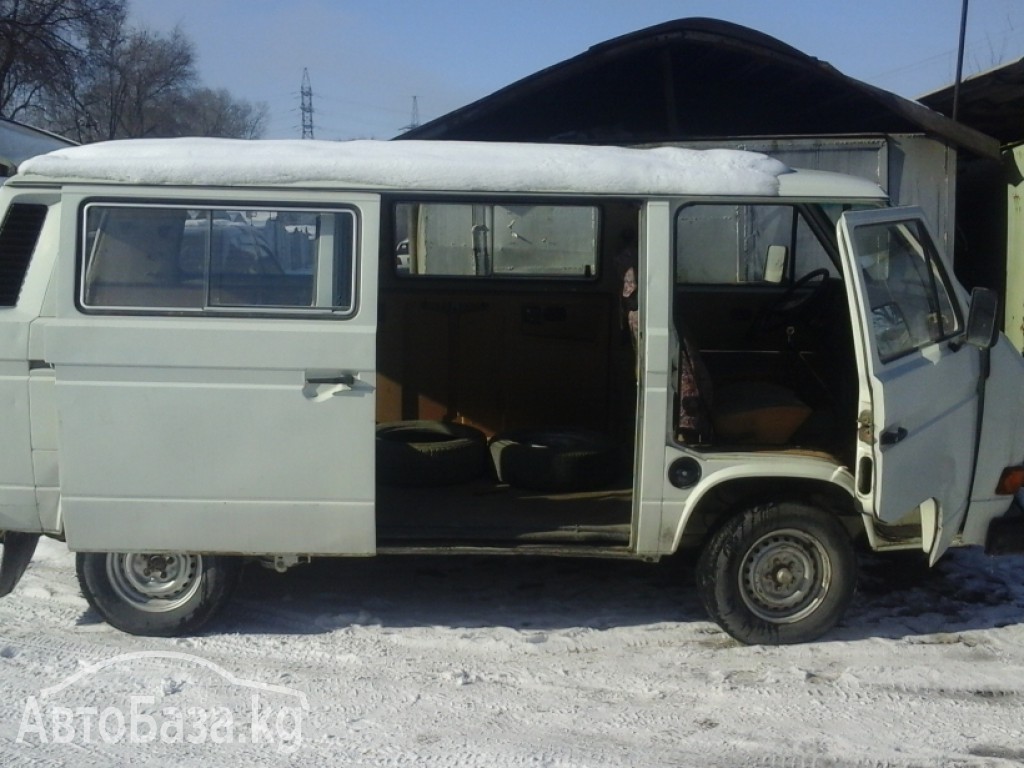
x=780, y=473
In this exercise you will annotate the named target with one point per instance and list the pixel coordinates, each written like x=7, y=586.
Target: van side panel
x=29, y=228
x=225, y=430
x=1002, y=439
x=18, y=510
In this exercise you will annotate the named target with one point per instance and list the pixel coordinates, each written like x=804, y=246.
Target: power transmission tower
x=307, y=106
x=414, y=120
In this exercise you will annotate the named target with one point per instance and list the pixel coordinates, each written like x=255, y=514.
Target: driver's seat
x=758, y=412
x=747, y=412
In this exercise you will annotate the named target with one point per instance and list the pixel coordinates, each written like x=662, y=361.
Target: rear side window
x=19, y=234
x=147, y=257
x=494, y=240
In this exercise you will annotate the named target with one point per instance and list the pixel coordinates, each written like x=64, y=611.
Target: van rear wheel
x=778, y=574
x=160, y=595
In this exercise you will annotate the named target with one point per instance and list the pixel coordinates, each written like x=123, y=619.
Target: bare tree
x=136, y=83
x=133, y=84
x=78, y=68
x=155, y=76
x=211, y=112
x=42, y=42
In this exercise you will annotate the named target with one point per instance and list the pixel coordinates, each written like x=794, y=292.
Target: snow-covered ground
x=517, y=662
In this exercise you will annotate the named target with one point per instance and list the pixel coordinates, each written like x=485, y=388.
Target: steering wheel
x=791, y=305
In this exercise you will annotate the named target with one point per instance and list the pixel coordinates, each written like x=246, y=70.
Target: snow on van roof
x=414, y=165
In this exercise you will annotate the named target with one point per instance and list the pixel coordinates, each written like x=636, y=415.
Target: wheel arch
x=730, y=496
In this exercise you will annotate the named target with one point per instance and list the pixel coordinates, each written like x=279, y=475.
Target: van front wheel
x=160, y=595
x=778, y=574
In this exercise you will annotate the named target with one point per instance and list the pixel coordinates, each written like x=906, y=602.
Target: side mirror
x=981, y=318
x=775, y=264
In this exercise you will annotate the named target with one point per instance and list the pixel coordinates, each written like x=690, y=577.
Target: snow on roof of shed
x=414, y=165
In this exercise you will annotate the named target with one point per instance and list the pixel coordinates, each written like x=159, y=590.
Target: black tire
x=429, y=453
x=778, y=574
x=554, y=460
x=158, y=595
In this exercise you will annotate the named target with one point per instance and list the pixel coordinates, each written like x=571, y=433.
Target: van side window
x=18, y=236
x=161, y=257
x=907, y=289
x=728, y=244
x=496, y=240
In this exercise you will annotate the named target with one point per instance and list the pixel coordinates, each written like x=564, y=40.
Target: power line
x=948, y=56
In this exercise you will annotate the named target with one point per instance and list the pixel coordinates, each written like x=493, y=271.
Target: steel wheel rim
x=154, y=583
x=785, y=576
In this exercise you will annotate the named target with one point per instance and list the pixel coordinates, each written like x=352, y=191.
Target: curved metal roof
x=691, y=79
x=991, y=101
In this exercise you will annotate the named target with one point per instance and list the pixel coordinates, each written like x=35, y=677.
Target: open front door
x=918, y=391
x=215, y=378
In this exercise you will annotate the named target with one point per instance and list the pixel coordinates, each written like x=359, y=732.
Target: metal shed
x=990, y=248
x=692, y=79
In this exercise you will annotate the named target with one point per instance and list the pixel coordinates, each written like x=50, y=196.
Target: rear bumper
x=1006, y=534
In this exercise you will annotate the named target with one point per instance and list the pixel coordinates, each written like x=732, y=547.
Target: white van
x=215, y=350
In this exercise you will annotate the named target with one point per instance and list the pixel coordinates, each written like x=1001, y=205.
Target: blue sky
x=368, y=58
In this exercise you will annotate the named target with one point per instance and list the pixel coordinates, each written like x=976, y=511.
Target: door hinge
x=865, y=431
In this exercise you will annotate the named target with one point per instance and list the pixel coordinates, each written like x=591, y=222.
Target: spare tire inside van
x=421, y=452
x=555, y=460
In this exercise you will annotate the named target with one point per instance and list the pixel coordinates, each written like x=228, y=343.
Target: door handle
x=892, y=436
x=324, y=387
x=345, y=378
